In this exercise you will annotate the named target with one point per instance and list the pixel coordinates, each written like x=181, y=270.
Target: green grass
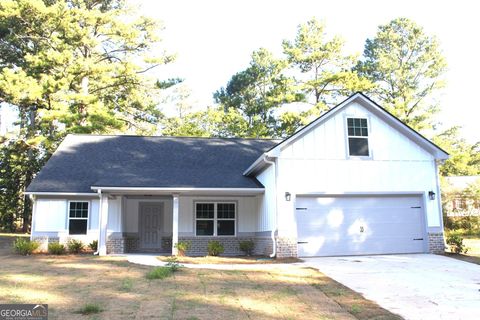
x=127, y=285
x=355, y=309
x=159, y=273
x=90, y=308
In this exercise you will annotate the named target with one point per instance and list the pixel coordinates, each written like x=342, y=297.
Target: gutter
x=274, y=247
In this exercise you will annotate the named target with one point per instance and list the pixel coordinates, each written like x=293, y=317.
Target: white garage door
x=353, y=225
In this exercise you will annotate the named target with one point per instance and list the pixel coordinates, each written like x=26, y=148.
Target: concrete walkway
x=417, y=286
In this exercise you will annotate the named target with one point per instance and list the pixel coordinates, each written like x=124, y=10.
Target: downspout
x=274, y=251
x=99, y=191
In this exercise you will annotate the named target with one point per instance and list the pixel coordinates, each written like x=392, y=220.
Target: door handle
x=302, y=242
x=361, y=229
x=418, y=239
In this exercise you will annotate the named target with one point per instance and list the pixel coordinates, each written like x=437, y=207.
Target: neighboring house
x=462, y=196
x=355, y=181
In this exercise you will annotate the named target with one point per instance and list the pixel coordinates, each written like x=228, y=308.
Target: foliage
x=24, y=246
x=93, y=245
x=406, y=66
x=215, y=248
x=75, y=246
x=71, y=66
x=159, y=273
x=56, y=248
x=173, y=264
x=456, y=244
x=183, y=247
x=257, y=92
x=325, y=73
x=90, y=308
x=464, y=157
x=15, y=157
x=247, y=246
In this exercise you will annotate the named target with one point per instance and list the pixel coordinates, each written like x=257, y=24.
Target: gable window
x=215, y=218
x=78, y=217
x=358, y=137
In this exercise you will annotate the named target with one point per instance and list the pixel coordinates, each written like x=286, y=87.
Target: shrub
x=456, y=244
x=90, y=308
x=24, y=246
x=56, y=248
x=75, y=246
x=173, y=264
x=159, y=273
x=183, y=247
x=93, y=245
x=215, y=248
x=247, y=247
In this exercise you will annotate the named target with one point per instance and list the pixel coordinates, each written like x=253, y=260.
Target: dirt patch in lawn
x=112, y=288
x=229, y=260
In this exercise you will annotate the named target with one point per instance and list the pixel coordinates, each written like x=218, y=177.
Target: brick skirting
x=436, y=243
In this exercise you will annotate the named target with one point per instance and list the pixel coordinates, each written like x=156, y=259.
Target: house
x=354, y=181
x=461, y=196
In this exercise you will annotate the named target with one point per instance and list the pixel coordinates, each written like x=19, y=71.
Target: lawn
x=87, y=287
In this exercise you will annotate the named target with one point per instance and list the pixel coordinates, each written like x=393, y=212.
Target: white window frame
x=347, y=137
x=88, y=216
x=215, y=217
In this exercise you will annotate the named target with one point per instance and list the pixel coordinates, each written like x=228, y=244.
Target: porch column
x=103, y=222
x=175, y=225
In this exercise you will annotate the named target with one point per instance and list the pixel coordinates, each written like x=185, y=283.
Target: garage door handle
x=418, y=239
x=301, y=208
x=302, y=242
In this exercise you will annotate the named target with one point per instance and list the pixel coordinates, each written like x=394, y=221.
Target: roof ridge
x=172, y=137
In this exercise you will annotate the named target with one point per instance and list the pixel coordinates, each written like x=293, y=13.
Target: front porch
x=137, y=221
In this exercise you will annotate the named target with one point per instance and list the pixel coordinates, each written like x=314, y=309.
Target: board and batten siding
x=266, y=216
x=318, y=162
x=51, y=217
x=246, y=213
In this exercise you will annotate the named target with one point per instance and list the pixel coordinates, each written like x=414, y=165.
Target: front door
x=151, y=217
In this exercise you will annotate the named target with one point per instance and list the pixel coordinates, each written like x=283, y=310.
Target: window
x=215, y=219
x=357, y=137
x=78, y=217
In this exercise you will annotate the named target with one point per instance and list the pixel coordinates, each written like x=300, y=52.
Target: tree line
x=85, y=66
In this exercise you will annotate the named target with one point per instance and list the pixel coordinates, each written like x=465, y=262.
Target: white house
x=354, y=181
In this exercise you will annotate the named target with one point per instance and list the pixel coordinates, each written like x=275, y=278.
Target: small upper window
x=78, y=217
x=358, y=137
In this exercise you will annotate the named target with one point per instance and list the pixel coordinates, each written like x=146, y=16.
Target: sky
x=214, y=39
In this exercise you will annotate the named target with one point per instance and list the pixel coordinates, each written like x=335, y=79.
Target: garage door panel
x=359, y=225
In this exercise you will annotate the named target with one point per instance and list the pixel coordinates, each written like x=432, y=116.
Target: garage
x=356, y=225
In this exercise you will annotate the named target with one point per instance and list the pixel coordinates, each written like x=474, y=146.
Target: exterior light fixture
x=431, y=195
x=288, y=196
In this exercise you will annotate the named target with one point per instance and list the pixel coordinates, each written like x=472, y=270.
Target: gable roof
x=370, y=105
x=83, y=161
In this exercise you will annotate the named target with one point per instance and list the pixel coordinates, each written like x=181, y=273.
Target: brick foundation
x=115, y=246
x=436, y=243
x=286, y=247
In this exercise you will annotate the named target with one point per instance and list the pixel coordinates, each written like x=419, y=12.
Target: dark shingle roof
x=82, y=161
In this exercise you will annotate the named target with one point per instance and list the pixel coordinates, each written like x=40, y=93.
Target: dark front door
x=151, y=218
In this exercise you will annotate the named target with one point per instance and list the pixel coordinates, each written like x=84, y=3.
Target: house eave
x=176, y=190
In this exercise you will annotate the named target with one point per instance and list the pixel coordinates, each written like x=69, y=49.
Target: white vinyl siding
x=50, y=215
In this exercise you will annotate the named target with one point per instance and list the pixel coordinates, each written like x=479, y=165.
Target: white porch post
x=102, y=228
x=175, y=225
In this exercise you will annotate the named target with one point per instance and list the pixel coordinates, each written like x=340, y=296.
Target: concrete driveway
x=415, y=286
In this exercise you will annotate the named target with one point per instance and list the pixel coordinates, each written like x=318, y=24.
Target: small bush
x=56, y=248
x=247, y=247
x=183, y=247
x=75, y=246
x=90, y=308
x=159, y=273
x=173, y=264
x=215, y=248
x=456, y=244
x=93, y=245
x=24, y=246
